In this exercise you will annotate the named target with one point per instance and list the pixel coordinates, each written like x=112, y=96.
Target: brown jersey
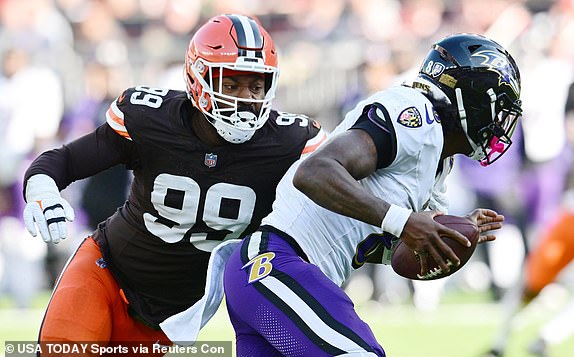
x=185, y=196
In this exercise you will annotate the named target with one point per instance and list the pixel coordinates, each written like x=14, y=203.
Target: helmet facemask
x=494, y=138
x=228, y=114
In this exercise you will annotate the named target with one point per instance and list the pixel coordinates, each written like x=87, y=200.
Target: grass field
x=459, y=327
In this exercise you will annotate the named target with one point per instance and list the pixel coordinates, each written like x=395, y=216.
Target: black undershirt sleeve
x=376, y=121
x=84, y=157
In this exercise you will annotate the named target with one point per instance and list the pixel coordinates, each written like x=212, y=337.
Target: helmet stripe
x=248, y=36
x=257, y=37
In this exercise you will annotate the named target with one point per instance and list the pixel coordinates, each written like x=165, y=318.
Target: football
x=405, y=263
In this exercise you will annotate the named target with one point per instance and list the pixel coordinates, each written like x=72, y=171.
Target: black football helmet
x=481, y=81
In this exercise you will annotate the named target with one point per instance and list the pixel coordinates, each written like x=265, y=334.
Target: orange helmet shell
x=236, y=42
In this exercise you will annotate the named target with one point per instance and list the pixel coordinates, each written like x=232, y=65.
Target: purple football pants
x=281, y=305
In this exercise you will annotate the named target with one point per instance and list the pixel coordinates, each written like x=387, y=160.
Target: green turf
x=460, y=327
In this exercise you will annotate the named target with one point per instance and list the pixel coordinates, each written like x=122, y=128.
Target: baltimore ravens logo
x=260, y=266
x=498, y=63
x=411, y=118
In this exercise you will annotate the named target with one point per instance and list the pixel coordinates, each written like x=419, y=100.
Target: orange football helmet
x=236, y=44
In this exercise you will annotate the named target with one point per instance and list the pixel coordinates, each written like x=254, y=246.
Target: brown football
x=405, y=263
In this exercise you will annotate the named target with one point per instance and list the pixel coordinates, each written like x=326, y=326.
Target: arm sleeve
x=376, y=121
x=84, y=157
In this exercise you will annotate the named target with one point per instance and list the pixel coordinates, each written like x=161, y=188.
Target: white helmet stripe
x=248, y=34
x=248, y=30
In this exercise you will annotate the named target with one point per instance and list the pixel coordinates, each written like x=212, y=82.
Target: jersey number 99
x=175, y=220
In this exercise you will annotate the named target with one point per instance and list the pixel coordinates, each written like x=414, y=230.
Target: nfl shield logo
x=210, y=160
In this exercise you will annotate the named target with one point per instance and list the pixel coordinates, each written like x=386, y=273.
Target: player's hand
x=423, y=235
x=46, y=211
x=487, y=221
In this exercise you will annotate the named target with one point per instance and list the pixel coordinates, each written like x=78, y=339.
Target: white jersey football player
x=403, y=183
x=379, y=178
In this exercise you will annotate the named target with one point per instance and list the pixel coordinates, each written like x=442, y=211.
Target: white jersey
x=329, y=239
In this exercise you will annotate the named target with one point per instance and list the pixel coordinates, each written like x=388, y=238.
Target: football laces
x=434, y=272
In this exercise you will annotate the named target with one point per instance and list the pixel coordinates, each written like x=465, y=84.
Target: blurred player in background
x=206, y=164
x=545, y=261
x=380, y=177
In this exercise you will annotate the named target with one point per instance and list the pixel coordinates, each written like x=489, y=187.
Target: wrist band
x=395, y=220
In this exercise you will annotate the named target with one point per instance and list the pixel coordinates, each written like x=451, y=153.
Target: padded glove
x=46, y=209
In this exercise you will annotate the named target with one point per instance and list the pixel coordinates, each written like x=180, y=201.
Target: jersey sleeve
x=115, y=116
x=84, y=157
x=318, y=137
x=376, y=121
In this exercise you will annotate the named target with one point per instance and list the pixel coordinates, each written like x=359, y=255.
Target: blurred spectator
x=551, y=253
x=101, y=85
x=28, y=119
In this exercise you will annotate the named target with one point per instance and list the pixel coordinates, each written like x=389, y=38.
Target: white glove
x=46, y=209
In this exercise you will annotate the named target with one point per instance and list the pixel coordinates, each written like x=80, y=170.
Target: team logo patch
x=210, y=160
x=260, y=266
x=436, y=69
x=499, y=64
x=411, y=118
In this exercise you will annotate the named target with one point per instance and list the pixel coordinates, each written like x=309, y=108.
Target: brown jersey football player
x=205, y=162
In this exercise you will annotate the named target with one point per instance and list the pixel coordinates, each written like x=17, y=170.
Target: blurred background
x=63, y=62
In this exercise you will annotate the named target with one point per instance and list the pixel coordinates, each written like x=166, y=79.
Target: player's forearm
x=80, y=158
x=329, y=185
x=52, y=163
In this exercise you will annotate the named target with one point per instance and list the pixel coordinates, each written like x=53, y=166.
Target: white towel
x=183, y=328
